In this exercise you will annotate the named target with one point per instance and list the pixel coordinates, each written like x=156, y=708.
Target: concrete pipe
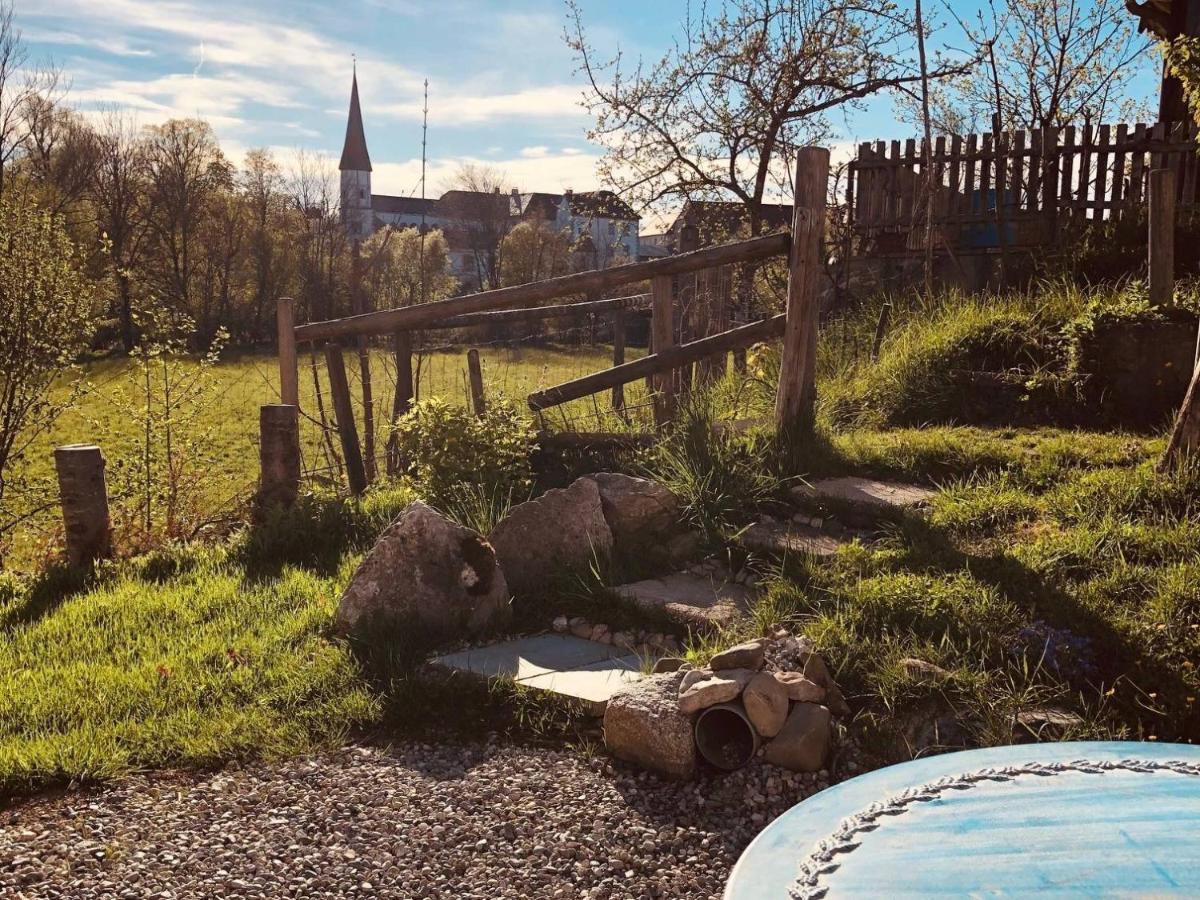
x=725, y=737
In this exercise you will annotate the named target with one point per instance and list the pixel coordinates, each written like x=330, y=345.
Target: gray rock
x=669, y=664
x=802, y=745
x=702, y=601
x=427, y=571
x=919, y=669
x=561, y=531
x=694, y=676
x=635, y=507
x=766, y=702
x=749, y=655
x=643, y=725
x=799, y=688
x=1050, y=724
x=710, y=692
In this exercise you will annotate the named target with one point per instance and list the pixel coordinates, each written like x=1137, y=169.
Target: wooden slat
x=1067, y=169
x=671, y=358
x=1051, y=160
x=985, y=173
x=413, y=317
x=1016, y=178
x=955, y=189
x=969, y=182
x=1137, y=166
x=1033, y=177
x=1103, y=142
x=1120, y=146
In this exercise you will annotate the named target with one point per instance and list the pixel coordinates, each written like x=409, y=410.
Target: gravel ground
x=413, y=821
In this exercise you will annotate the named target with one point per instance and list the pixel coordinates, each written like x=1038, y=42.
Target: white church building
x=602, y=227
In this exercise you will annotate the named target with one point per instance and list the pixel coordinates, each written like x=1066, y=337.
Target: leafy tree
x=46, y=318
x=402, y=268
x=533, y=251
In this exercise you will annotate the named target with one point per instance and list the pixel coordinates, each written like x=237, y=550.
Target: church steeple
x=354, y=151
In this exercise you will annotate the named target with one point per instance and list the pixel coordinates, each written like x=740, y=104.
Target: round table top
x=1064, y=820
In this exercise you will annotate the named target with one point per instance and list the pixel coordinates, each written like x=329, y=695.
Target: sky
x=276, y=73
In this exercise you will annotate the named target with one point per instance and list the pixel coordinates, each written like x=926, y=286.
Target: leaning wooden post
x=880, y=330
x=278, y=456
x=618, y=392
x=403, y=399
x=796, y=396
x=1162, y=236
x=289, y=372
x=84, y=499
x=343, y=411
x=663, y=335
x=475, y=371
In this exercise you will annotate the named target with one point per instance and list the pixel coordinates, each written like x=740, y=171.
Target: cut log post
x=84, y=499
x=289, y=372
x=663, y=331
x=1162, y=236
x=278, y=456
x=1185, y=436
x=343, y=411
x=797, y=394
x=618, y=391
x=475, y=371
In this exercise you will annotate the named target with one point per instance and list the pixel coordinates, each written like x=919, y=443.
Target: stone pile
x=637, y=640
x=780, y=685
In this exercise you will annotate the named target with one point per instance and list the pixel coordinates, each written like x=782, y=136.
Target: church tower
x=356, y=173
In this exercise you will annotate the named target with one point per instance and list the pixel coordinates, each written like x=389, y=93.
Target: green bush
x=450, y=451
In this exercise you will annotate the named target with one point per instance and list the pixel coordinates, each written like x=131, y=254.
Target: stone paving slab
x=559, y=663
x=780, y=538
x=867, y=494
x=691, y=599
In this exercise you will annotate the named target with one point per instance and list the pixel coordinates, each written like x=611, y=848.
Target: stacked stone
x=781, y=683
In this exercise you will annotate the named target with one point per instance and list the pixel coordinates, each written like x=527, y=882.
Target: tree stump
x=84, y=498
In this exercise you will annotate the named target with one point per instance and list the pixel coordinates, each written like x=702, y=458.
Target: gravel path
x=415, y=821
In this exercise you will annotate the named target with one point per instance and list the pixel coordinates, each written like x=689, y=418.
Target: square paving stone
x=527, y=657
x=594, y=684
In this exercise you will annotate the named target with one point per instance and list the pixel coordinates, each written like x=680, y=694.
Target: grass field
x=227, y=426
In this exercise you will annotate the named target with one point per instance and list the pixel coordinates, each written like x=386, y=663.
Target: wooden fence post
x=278, y=456
x=794, y=402
x=84, y=499
x=343, y=411
x=618, y=392
x=1162, y=236
x=663, y=333
x=475, y=372
x=403, y=399
x=880, y=330
x=289, y=372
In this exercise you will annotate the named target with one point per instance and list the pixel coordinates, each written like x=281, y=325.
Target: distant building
x=719, y=221
x=602, y=229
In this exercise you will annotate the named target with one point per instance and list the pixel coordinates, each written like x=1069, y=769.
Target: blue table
x=1052, y=820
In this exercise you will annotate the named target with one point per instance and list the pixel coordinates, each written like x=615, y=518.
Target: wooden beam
x=658, y=362
x=618, y=392
x=475, y=371
x=343, y=411
x=662, y=326
x=797, y=371
x=1162, y=236
x=289, y=372
x=422, y=315
x=278, y=457
x=635, y=303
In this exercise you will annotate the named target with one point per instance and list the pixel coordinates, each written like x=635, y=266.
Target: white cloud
x=538, y=152
x=115, y=46
x=456, y=107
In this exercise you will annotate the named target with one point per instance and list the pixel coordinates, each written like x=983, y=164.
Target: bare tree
x=721, y=113
x=270, y=225
x=1049, y=64
x=311, y=184
x=119, y=194
x=21, y=84
x=477, y=205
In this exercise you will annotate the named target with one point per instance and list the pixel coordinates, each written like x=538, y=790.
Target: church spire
x=354, y=151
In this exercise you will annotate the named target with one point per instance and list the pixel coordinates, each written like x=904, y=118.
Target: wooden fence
x=1013, y=188
x=674, y=348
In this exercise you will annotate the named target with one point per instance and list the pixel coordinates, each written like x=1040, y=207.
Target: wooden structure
x=1013, y=189
x=84, y=498
x=279, y=456
x=680, y=336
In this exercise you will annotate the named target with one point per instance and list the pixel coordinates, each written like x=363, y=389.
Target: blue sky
x=276, y=73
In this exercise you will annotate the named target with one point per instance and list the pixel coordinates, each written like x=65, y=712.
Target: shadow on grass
x=26, y=604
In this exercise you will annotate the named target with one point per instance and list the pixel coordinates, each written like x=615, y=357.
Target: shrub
x=450, y=451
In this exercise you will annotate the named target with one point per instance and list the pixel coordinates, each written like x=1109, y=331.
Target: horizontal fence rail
x=657, y=363
x=422, y=316
x=988, y=189
x=635, y=303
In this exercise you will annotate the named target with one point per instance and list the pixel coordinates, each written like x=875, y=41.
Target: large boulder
x=766, y=702
x=560, y=531
x=802, y=745
x=643, y=725
x=636, y=507
x=428, y=572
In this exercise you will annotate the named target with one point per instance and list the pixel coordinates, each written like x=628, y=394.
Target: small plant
x=459, y=459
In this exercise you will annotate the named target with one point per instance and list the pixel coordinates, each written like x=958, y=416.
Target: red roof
x=354, y=150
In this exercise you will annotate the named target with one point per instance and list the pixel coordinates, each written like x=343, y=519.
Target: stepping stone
x=703, y=601
x=787, y=538
x=587, y=671
x=865, y=498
